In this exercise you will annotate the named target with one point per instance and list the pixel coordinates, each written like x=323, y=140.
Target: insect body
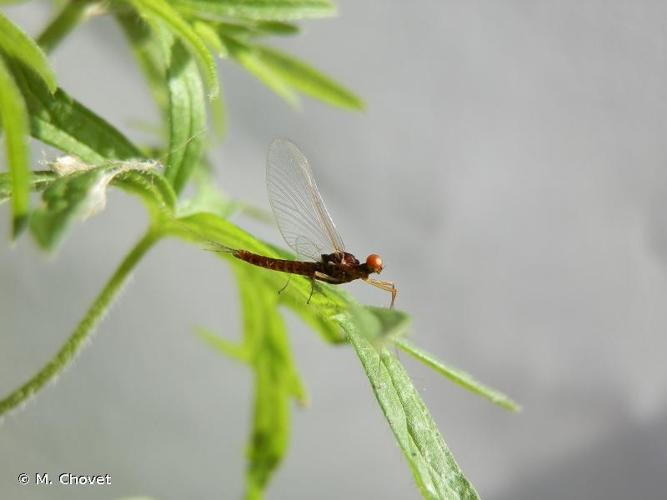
x=307, y=227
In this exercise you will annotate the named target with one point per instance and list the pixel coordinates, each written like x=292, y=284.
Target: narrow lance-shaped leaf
x=187, y=117
x=459, y=377
x=15, y=43
x=82, y=193
x=265, y=349
x=78, y=193
x=160, y=10
x=284, y=74
x=275, y=28
x=250, y=59
x=151, y=51
x=436, y=472
x=71, y=14
x=269, y=10
x=15, y=127
x=38, y=181
x=274, y=380
x=64, y=123
x=308, y=80
x=172, y=73
x=255, y=29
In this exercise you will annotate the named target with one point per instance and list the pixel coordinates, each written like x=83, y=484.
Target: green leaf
x=15, y=43
x=284, y=74
x=150, y=50
x=276, y=28
x=70, y=15
x=83, y=193
x=436, y=472
x=208, y=230
x=174, y=75
x=252, y=29
x=239, y=352
x=59, y=120
x=308, y=80
x=208, y=199
x=38, y=181
x=251, y=60
x=187, y=117
x=160, y=11
x=458, y=377
x=369, y=329
x=15, y=126
x=265, y=348
x=268, y=10
x=151, y=186
x=210, y=36
x=275, y=374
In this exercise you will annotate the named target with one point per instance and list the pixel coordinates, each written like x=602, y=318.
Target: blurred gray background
x=510, y=168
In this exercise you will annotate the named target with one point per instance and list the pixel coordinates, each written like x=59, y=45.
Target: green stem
x=74, y=12
x=73, y=345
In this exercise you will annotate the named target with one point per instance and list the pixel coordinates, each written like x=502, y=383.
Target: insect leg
x=385, y=285
x=326, y=278
x=285, y=285
x=312, y=287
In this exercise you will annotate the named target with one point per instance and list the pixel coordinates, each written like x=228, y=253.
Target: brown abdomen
x=280, y=265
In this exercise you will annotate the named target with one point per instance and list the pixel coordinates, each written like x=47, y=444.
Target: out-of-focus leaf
x=458, y=377
x=276, y=28
x=308, y=80
x=82, y=193
x=151, y=51
x=274, y=375
x=251, y=60
x=265, y=349
x=161, y=11
x=15, y=43
x=14, y=124
x=236, y=351
x=187, y=117
x=209, y=200
x=62, y=122
x=151, y=186
x=437, y=474
x=257, y=28
x=69, y=16
x=38, y=181
x=177, y=84
x=210, y=36
x=285, y=74
x=267, y=10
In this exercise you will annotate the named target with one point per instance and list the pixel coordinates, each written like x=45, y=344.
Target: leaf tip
x=19, y=224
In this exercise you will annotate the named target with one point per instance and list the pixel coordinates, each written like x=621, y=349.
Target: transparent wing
x=302, y=217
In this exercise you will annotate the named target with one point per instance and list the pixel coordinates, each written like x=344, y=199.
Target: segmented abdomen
x=283, y=266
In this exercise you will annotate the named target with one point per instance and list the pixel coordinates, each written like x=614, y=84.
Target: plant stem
x=74, y=12
x=75, y=342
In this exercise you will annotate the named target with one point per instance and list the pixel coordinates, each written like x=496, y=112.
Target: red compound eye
x=374, y=263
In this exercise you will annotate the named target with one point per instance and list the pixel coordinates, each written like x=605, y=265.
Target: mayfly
x=307, y=227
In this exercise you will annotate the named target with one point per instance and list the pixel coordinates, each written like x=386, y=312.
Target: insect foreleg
x=385, y=285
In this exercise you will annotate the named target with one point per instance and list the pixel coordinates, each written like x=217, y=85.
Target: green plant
x=174, y=44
